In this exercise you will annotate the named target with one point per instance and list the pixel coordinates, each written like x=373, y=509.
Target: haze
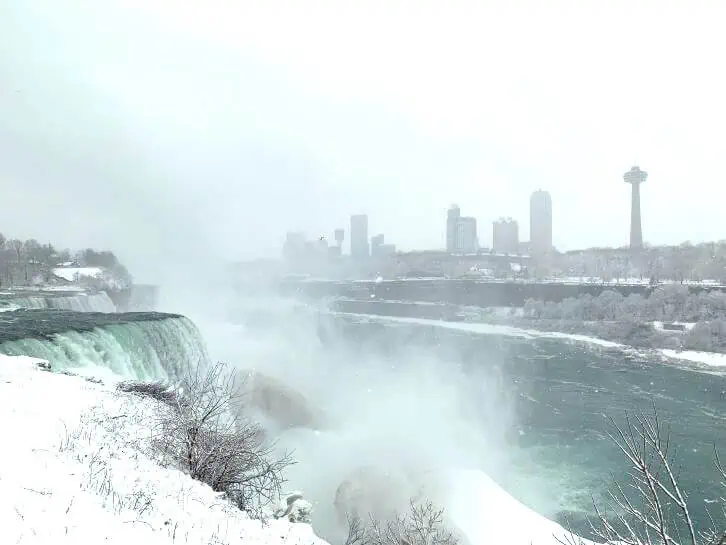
x=187, y=130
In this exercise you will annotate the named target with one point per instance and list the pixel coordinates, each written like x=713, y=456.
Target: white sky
x=192, y=128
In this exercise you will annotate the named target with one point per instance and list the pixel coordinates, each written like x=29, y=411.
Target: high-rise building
x=505, y=239
x=635, y=177
x=466, y=236
x=452, y=221
x=359, y=237
x=294, y=247
x=540, y=223
x=376, y=242
x=339, y=235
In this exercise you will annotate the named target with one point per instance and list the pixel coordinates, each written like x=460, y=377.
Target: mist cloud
x=181, y=130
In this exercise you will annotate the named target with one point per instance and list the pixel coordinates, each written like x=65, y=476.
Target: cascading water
x=142, y=346
x=79, y=302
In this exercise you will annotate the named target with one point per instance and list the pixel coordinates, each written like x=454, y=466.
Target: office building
x=505, y=236
x=466, y=236
x=540, y=223
x=452, y=221
x=359, y=249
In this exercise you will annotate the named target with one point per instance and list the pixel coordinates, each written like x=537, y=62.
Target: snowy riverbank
x=711, y=360
x=81, y=470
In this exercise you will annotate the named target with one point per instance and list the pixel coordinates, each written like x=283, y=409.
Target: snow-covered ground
x=711, y=359
x=661, y=326
x=77, y=467
x=71, y=274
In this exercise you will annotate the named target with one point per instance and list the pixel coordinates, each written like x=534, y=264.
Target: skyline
x=185, y=139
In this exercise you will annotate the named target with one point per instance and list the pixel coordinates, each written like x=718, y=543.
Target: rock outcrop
x=284, y=405
x=373, y=491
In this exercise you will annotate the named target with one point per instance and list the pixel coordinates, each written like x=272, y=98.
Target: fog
x=196, y=132
x=410, y=413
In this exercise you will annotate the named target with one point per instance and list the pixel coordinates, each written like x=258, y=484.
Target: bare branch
x=652, y=486
x=207, y=436
x=422, y=524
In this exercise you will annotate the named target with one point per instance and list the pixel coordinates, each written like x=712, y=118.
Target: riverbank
x=81, y=470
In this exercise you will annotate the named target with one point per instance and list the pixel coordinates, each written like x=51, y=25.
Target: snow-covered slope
x=76, y=467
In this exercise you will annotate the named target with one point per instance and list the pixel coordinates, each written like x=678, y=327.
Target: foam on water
x=79, y=302
x=149, y=347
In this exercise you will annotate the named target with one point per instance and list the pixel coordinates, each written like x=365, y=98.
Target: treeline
x=666, y=303
x=684, y=262
x=28, y=262
x=613, y=316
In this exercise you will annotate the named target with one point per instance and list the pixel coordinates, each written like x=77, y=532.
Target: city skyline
x=462, y=234
x=210, y=120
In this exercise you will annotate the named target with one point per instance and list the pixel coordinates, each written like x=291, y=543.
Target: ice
x=711, y=359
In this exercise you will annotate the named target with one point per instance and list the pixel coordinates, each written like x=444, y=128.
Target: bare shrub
x=159, y=391
x=207, y=436
x=423, y=524
x=652, y=508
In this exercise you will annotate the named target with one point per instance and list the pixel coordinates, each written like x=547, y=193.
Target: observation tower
x=635, y=177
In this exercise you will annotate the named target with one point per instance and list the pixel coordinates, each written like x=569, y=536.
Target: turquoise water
x=559, y=397
x=141, y=345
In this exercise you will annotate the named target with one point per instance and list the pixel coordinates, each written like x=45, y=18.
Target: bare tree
x=207, y=436
x=650, y=507
x=423, y=524
x=356, y=531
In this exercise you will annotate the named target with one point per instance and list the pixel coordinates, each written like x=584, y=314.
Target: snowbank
x=71, y=274
x=487, y=514
x=490, y=329
x=711, y=359
x=76, y=468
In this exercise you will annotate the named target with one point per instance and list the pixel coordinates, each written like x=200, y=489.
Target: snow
x=61, y=288
x=711, y=359
x=660, y=326
x=79, y=469
x=26, y=290
x=69, y=273
x=479, y=507
x=490, y=329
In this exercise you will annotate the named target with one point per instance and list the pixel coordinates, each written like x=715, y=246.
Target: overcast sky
x=210, y=128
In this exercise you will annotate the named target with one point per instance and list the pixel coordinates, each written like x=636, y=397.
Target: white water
x=81, y=302
x=150, y=350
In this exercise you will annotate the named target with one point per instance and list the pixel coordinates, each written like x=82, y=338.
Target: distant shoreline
x=649, y=337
